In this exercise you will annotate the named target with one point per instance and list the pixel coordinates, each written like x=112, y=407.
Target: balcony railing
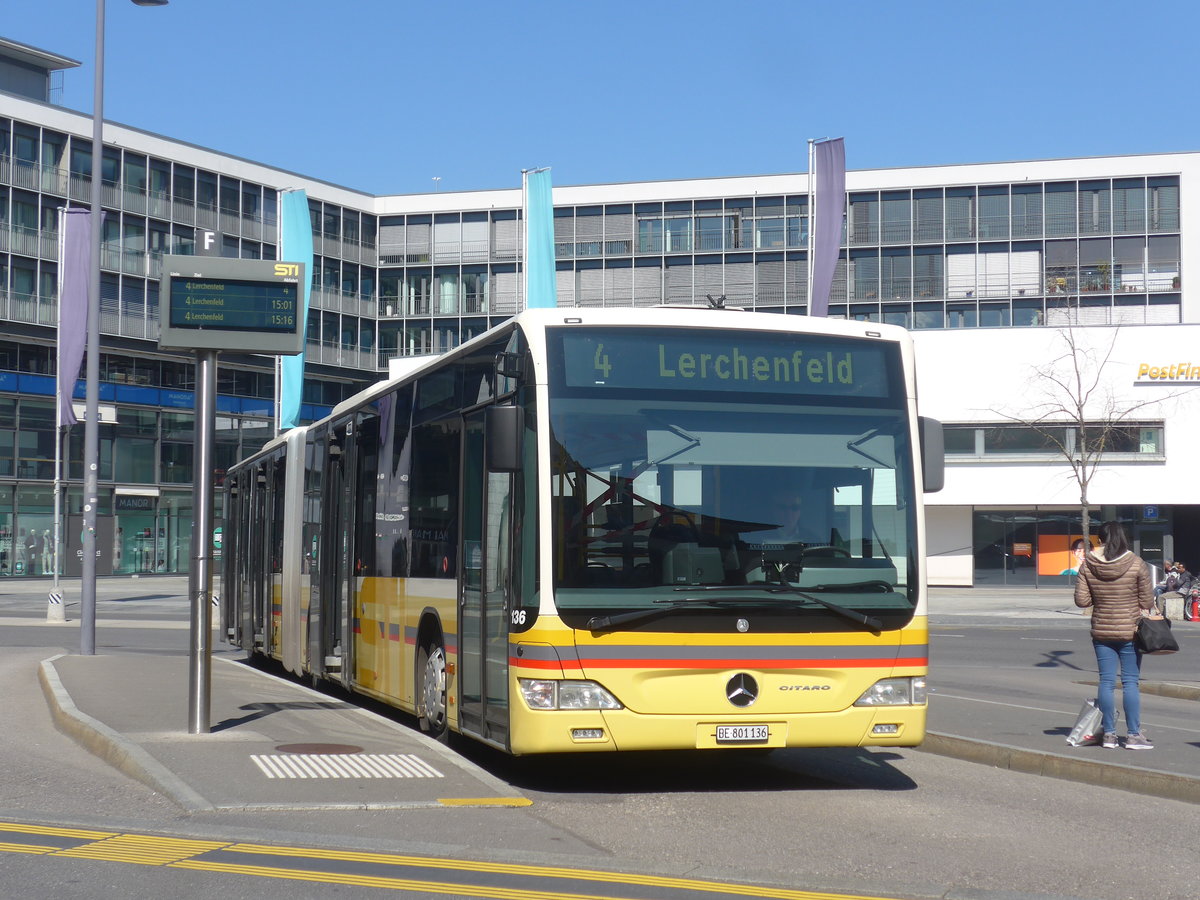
x=20, y=307
x=338, y=355
x=28, y=241
x=344, y=302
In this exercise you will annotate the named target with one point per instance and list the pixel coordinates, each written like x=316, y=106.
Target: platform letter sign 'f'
x=207, y=243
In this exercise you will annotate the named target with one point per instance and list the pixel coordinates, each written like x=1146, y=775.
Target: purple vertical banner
x=73, y=306
x=829, y=202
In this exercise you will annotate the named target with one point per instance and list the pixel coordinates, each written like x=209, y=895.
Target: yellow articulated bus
x=609, y=529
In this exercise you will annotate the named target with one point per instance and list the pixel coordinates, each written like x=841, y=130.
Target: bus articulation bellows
x=609, y=529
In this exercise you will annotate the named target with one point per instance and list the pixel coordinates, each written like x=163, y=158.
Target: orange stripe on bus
x=545, y=665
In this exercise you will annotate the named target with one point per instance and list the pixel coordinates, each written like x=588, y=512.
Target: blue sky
x=384, y=95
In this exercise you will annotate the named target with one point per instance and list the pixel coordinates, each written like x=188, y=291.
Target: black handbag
x=1154, y=636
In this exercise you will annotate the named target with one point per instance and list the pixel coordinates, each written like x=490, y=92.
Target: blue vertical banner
x=540, y=289
x=829, y=204
x=296, y=245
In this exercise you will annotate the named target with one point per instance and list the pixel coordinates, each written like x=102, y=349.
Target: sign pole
x=201, y=574
x=209, y=305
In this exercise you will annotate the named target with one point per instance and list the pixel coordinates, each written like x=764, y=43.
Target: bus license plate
x=743, y=734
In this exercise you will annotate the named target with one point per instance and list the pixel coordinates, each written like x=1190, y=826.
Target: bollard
x=1172, y=604
x=55, y=611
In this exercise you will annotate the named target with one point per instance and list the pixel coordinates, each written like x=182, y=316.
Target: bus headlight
x=545, y=693
x=894, y=692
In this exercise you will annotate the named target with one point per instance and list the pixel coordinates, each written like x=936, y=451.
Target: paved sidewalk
x=274, y=744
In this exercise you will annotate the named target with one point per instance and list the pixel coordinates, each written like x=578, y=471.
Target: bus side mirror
x=505, y=427
x=933, y=455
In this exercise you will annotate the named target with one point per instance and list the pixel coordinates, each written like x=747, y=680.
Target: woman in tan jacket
x=1116, y=584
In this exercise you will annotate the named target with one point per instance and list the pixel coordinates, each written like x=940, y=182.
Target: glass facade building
x=1007, y=245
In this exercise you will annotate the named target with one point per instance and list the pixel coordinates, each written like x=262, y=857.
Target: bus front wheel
x=431, y=668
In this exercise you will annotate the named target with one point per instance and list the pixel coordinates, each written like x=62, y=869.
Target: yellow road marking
x=60, y=832
x=536, y=872
x=35, y=849
x=400, y=884
x=142, y=849
x=485, y=801
x=152, y=850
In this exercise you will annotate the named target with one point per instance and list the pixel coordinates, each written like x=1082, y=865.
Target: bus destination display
x=234, y=305
x=741, y=362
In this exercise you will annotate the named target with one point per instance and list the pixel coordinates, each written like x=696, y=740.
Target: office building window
x=136, y=437
x=928, y=213
x=864, y=274
x=960, y=214
x=1162, y=254
x=895, y=217
x=8, y=436
x=1095, y=201
x=993, y=213
x=1163, y=197
x=896, y=274
x=1061, y=205
x=1026, y=203
x=863, y=218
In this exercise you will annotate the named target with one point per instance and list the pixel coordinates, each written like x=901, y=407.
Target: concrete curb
x=1177, y=690
x=1151, y=782
x=1171, y=689
x=112, y=747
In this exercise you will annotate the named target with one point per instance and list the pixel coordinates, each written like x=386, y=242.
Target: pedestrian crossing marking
x=344, y=765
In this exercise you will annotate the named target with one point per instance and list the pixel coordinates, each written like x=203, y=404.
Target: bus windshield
x=676, y=500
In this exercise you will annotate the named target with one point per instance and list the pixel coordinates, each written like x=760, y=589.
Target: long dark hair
x=1115, y=540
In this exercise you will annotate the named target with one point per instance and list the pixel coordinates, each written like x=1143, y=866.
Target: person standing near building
x=1116, y=583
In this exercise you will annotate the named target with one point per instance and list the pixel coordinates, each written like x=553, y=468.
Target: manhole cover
x=319, y=749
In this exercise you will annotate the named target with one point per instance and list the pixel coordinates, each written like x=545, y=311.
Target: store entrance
x=1004, y=544
x=1036, y=547
x=1027, y=547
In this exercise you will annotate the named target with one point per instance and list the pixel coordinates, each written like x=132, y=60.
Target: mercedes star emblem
x=742, y=690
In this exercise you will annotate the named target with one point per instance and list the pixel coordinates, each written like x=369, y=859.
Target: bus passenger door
x=335, y=572
x=483, y=594
x=256, y=611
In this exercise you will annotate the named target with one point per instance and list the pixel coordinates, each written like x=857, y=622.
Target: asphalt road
x=903, y=824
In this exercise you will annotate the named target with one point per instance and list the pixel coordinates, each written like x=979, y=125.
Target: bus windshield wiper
x=855, y=444
x=853, y=615
x=666, y=605
x=875, y=584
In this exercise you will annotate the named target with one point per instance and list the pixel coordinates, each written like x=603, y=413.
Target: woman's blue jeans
x=1110, y=654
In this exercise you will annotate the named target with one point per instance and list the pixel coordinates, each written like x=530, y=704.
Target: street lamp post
x=91, y=425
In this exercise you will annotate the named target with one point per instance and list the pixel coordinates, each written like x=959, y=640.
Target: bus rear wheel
x=431, y=669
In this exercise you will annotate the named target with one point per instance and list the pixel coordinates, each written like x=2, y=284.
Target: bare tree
x=1075, y=409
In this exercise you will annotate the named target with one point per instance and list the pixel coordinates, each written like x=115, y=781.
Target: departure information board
x=245, y=305
x=234, y=305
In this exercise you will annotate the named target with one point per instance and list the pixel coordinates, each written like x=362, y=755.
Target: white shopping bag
x=1087, y=726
